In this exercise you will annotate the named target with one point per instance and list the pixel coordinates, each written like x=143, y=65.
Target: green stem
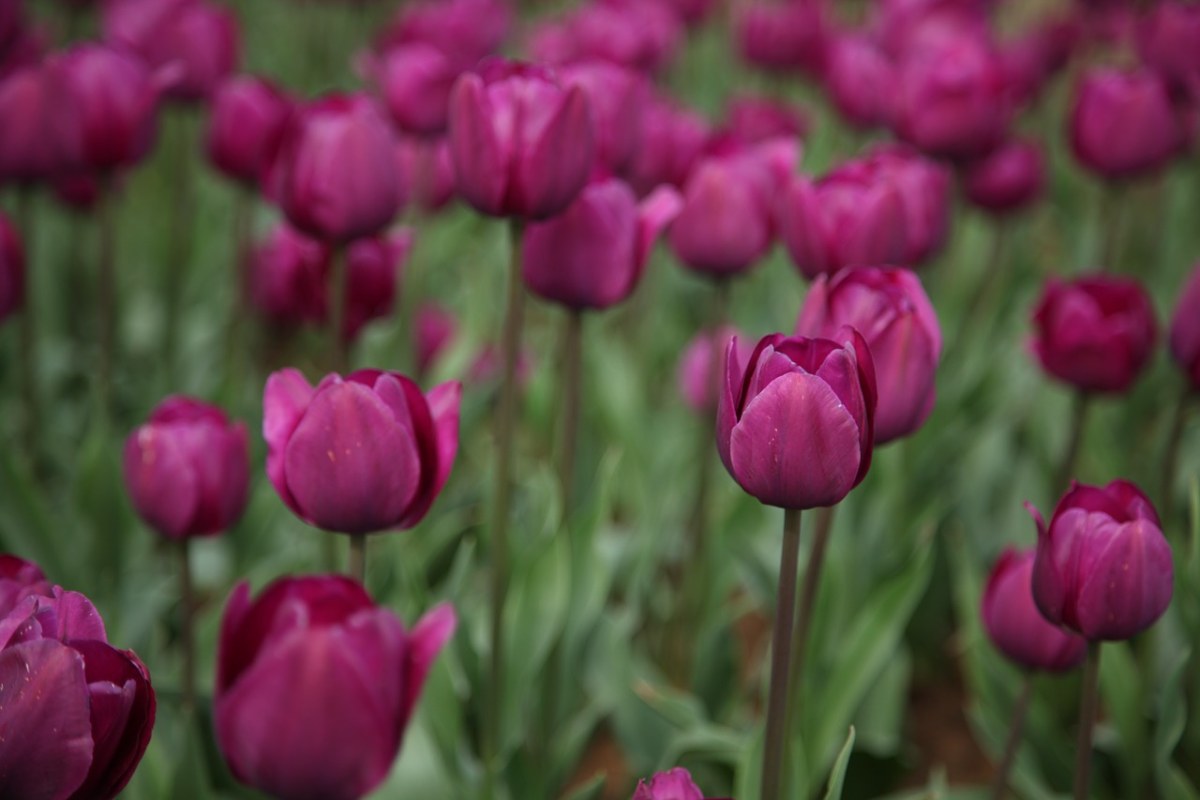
x=356, y=565
x=187, y=635
x=28, y=345
x=1112, y=219
x=1170, y=463
x=243, y=226
x=804, y=612
x=339, y=345
x=1016, y=731
x=781, y=650
x=106, y=299
x=1087, y=721
x=1066, y=467
x=572, y=378
x=180, y=243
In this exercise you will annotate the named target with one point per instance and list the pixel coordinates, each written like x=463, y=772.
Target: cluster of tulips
x=582, y=151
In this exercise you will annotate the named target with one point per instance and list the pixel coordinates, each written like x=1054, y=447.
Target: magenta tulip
x=695, y=374
x=671, y=140
x=860, y=81
x=642, y=36
x=924, y=189
x=19, y=579
x=783, y=36
x=362, y=454
x=12, y=270
x=316, y=685
x=616, y=95
x=892, y=312
x=245, y=124
x=522, y=144
x=1031, y=59
x=1014, y=624
x=464, y=30
x=795, y=424
x=752, y=120
x=1095, y=333
x=1166, y=41
x=40, y=134
x=1103, y=568
x=674, y=784
x=1185, y=329
x=427, y=169
x=414, y=81
x=691, y=12
x=1008, y=179
x=903, y=26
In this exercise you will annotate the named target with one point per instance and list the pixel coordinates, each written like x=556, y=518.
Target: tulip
x=1014, y=624
x=1166, y=41
x=316, y=685
x=616, y=96
x=1123, y=123
x=12, y=270
x=1008, y=179
x=593, y=254
x=79, y=192
x=19, y=579
x=414, y=81
x=335, y=175
x=245, y=124
x=76, y=712
x=691, y=12
x=427, y=169
x=783, y=36
x=187, y=469
x=25, y=49
x=361, y=454
x=1185, y=329
x=859, y=80
x=795, y=423
x=464, y=30
x=674, y=784
x=39, y=136
x=1096, y=332
x=1032, y=58
x=696, y=372
x=753, y=120
x=641, y=36
x=924, y=189
x=522, y=145
x=435, y=330
x=902, y=26
x=892, y=312
x=670, y=142
x=1103, y=568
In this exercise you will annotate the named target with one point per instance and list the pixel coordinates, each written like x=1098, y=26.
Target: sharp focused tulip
x=1123, y=123
x=924, y=189
x=1014, y=624
x=671, y=140
x=674, y=784
x=1095, y=333
x=361, y=454
x=414, y=81
x=39, y=137
x=1008, y=179
x=1103, y=568
x=427, y=169
x=187, y=469
x=12, y=270
x=316, y=685
x=783, y=36
x=18, y=579
x=522, y=145
x=616, y=96
x=245, y=124
x=75, y=711
x=795, y=424
x=593, y=254
x=697, y=377
x=892, y=312
x=1185, y=329
x=860, y=81
x=335, y=174
x=753, y=120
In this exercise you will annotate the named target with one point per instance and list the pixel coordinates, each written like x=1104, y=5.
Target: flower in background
x=245, y=124
x=1010, y=178
x=697, y=377
x=671, y=139
x=1185, y=329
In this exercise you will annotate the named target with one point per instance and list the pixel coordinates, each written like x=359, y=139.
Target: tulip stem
x=356, y=564
x=804, y=611
x=1087, y=721
x=27, y=349
x=1075, y=440
x=1170, y=464
x=1111, y=218
x=180, y=244
x=572, y=378
x=106, y=299
x=505, y=429
x=1016, y=731
x=339, y=345
x=781, y=651
x=187, y=636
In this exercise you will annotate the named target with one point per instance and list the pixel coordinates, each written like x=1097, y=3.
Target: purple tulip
x=39, y=137
x=414, y=81
x=316, y=685
x=902, y=26
x=1095, y=332
x=753, y=120
x=860, y=81
x=1008, y=179
x=783, y=36
x=674, y=784
x=19, y=579
x=1124, y=123
x=697, y=377
x=361, y=454
x=427, y=169
x=12, y=270
x=245, y=124
x=1103, y=568
x=924, y=189
x=616, y=95
x=187, y=469
x=892, y=312
x=1032, y=58
x=522, y=145
x=25, y=49
x=335, y=174
x=76, y=712
x=1014, y=624
x=464, y=30
x=671, y=140
x=1185, y=329
x=593, y=254
x=795, y=424
x=639, y=35
x=1166, y=41
x=434, y=331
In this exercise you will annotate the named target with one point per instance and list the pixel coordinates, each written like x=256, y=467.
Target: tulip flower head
x=39, y=137
x=427, y=169
x=924, y=188
x=783, y=36
x=859, y=81
x=18, y=579
x=464, y=30
x=12, y=270
x=1167, y=37
x=1103, y=567
x=752, y=120
x=1185, y=329
x=674, y=784
x=414, y=81
x=1014, y=624
x=616, y=95
x=671, y=139
x=245, y=124
x=1008, y=179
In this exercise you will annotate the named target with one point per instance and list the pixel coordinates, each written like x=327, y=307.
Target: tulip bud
x=924, y=189
x=19, y=579
x=753, y=120
x=859, y=80
x=1103, y=568
x=593, y=254
x=1096, y=332
x=522, y=144
x=76, y=712
x=414, y=81
x=316, y=685
x=892, y=312
x=245, y=124
x=783, y=36
x=361, y=454
x=616, y=96
x=674, y=784
x=697, y=377
x=670, y=141
x=1014, y=624
x=427, y=170
x=38, y=139
x=435, y=330
x=12, y=270
x=187, y=469
x=795, y=424
x=1185, y=329
x=1008, y=179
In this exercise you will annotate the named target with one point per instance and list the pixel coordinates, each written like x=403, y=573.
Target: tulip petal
x=444, y=402
x=285, y=399
x=77, y=618
x=162, y=485
x=655, y=213
x=1128, y=584
x=729, y=391
x=553, y=170
x=480, y=170
x=426, y=640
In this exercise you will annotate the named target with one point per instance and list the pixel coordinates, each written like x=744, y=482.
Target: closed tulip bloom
x=783, y=36
x=795, y=423
x=674, y=784
x=39, y=137
x=616, y=96
x=1095, y=333
x=593, y=254
x=76, y=712
x=1123, y=123
x=434, y=331
x=245, y=124
x=1103, y=568
x=465, y=30
x=1008, y=179
x=1014, y=624
x=860, y=81
x=316, y=685
x=1185, y=329
x=19, y=579
x=427, y=169
x=924, y=189
x=414, y=81
x=697, y=377
x=12, y=270
x=1034, y=56
x=892, y=312
x=671, y=140
x=1167, y=37
x=361, y=454
x=335, y=175
x=753, y=120
x=641, y=36
x=187, y=469
x=522, y=144
x=908, y=25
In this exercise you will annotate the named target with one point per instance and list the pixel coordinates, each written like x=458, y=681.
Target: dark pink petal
x=428, y=637
x=481, y=171
x=553, y=170
x=285, y=399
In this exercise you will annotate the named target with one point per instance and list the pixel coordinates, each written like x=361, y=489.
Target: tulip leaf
x=1172, y=719
x=837, y=777
x=1124, y=694
x=591, y=790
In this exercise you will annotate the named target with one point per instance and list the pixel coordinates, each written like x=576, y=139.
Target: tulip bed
x=294, y=502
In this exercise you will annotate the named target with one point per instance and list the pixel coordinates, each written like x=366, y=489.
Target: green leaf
x=1124, y=694
x=590, y=790
x=838, y=776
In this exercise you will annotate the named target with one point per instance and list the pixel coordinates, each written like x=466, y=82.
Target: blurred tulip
x=674, y=784
x=924, y=189
x=245, y=124
x=12, y=270
x=696, y=372
x=593, y=254
x=795, y=423
x=904, y=26
x=316, y=685
x=638, y=34
x=522, y=145
x=1185, y=329
x=79, y=191
x=860, y=81
x=484, y=369
x=1014, y=624
x=427, y=169
x=1103, y=568
x=1095, y=332
x=691, y=12
x=464, y=30
x=783, y=36
x=414, y=81
x=39, y=137
x=76, y=712
x=1167, y=37
x=616, y=95
x=1010, y=178
x=19, y=579
x=435, y=330
x=25, y=49
x=1033, y=57
x=362, y=454
x=892, y=312
x=753, y=120
x=671, y=140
